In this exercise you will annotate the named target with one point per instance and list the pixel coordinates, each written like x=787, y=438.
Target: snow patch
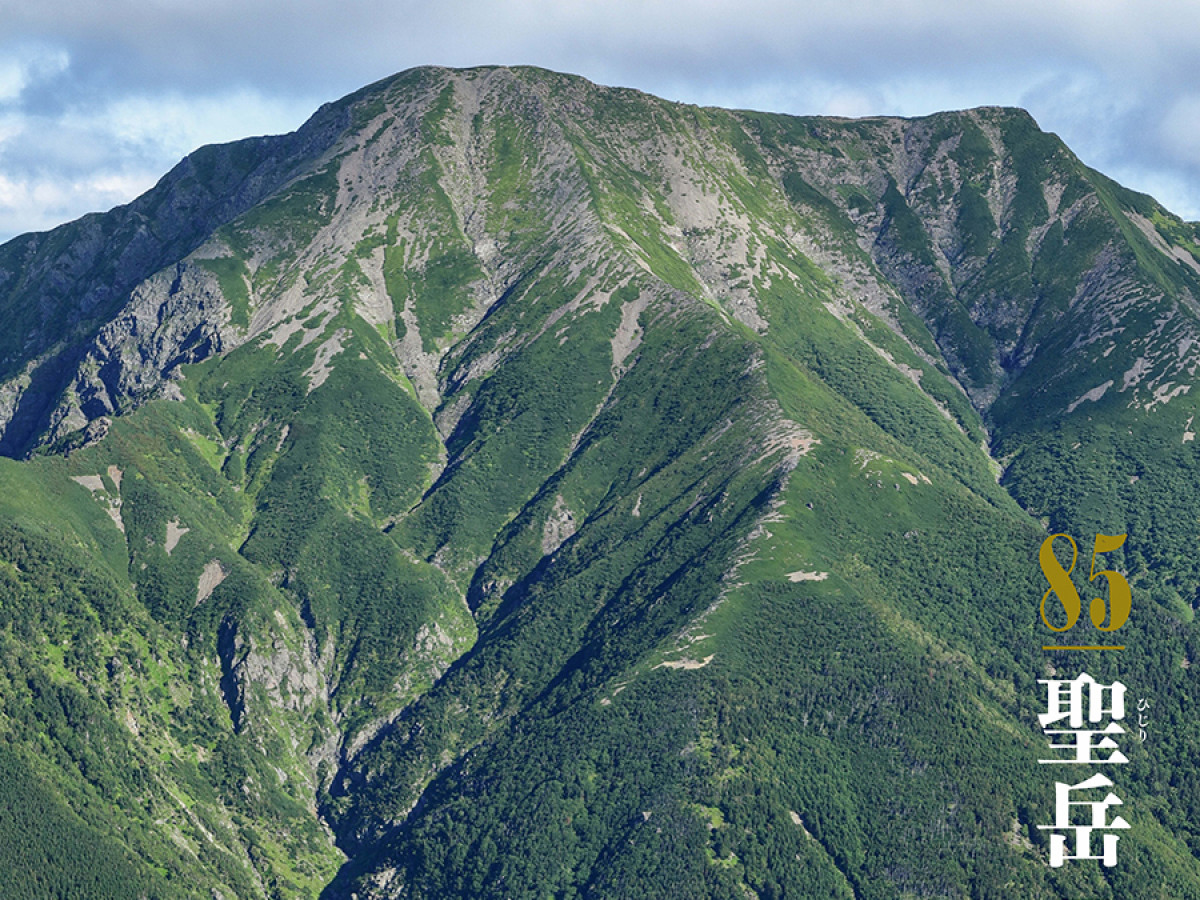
x=863, y=456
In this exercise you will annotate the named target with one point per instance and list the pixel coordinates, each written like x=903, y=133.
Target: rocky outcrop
x=953, y=216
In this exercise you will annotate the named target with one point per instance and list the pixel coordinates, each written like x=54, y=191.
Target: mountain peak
x=506, y=485
x=946, y=214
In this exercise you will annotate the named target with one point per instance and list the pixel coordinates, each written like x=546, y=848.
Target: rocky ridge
x=503, y=442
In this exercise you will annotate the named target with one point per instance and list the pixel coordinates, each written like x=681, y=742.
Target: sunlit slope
x=507, y=486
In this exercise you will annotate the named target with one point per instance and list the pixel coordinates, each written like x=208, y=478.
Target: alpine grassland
x=506, y=486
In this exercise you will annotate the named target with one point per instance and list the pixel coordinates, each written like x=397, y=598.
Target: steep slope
x=507, y=486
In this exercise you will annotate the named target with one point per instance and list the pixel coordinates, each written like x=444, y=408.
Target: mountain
x=506, y=486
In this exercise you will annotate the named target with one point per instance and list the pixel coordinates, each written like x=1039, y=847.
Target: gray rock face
x=171, y=319
x=73, y=295
x=958, y=216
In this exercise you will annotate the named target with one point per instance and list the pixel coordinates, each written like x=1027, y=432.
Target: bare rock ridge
x=64, y=287
x=952, y=217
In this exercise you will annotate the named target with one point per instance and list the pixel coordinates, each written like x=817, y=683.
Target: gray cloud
x=112, y=93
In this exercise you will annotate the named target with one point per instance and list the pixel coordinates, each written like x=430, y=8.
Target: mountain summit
x=506, y=486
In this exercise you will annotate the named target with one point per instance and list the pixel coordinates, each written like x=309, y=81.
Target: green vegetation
x=291, y=217
x=435, y=278
x=46, y=850
x=686, y=573
x=231, y=274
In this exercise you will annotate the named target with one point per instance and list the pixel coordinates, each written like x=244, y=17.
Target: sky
x=99, y=98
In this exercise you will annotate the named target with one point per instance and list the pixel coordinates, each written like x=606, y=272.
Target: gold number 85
x=1120, y=599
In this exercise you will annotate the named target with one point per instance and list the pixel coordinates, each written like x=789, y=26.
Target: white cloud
x=25, y=64
x=173, y=124
x=88, y=159
x=39, y=203
x=1180, y=129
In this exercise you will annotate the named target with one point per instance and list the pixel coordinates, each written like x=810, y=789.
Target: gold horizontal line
x=1087, y=647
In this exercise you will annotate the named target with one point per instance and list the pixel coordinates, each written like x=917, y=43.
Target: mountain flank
x=506, y=486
